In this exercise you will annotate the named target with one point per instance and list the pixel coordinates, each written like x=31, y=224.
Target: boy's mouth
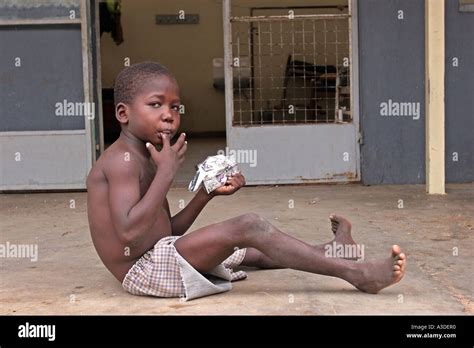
x=167, y=132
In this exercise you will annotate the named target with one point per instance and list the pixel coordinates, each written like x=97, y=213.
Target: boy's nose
x=167, y=116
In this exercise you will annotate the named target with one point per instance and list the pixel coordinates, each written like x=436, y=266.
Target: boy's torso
x=116, y=255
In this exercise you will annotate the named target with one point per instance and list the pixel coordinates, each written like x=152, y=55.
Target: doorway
x=188, y=49
x=293, y=102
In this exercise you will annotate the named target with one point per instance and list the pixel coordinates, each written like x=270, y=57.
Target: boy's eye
x=155, y=105
x=176, y=107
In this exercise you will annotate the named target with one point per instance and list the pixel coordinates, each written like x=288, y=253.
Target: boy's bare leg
x=207, y=247
x=340, y=226
x=255, y=258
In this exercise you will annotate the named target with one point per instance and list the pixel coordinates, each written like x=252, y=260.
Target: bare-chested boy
x=143, y=245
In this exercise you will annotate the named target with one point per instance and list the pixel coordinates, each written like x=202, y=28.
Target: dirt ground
x=436, y=233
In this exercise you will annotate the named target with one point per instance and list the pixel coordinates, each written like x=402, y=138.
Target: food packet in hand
x=213, y=173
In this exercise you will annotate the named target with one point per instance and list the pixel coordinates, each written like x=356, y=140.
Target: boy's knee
x=254, y=222
x=248, y=226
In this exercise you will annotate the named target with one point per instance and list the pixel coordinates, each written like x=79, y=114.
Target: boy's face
x=155, y=110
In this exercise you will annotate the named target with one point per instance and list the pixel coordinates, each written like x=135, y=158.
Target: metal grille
x=291, y=69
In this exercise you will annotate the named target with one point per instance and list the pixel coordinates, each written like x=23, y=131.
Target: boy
x=144, y=247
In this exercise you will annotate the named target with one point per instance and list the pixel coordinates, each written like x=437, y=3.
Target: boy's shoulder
x=117, y=160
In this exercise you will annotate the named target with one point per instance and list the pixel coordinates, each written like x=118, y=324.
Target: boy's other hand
x=233, y=184
x=170, y=157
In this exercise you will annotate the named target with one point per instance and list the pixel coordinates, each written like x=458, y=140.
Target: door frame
x=354, y=78
x=89, y=129
x=96, y=78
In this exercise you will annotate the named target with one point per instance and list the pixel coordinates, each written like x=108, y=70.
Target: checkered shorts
x=157, y=272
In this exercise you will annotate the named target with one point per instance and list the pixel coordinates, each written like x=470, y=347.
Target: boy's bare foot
x=379, y=274
x=341, y=228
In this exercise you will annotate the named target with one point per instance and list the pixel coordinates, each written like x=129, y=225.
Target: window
x=291, y=69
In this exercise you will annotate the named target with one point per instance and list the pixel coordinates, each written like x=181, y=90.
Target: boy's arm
x=133, y=217
x=181, y=222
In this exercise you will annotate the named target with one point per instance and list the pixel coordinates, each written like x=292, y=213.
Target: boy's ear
x=121, y=113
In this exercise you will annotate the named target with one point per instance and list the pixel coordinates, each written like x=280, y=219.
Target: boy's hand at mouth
x=170, y=157
x=233, y=184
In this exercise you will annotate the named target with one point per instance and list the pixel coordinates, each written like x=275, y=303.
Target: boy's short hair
x=130, y=79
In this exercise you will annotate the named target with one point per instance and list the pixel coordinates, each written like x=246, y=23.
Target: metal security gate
x=291, y=109
x=48, y=118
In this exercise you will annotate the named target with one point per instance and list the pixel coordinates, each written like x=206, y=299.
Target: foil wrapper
x=213, y=173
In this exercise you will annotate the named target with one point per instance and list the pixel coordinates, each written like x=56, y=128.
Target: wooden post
x=434, y=96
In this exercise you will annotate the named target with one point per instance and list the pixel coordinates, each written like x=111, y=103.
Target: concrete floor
x=69, y=278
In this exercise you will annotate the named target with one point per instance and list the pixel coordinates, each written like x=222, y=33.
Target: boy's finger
x=243, y=179
x=151, y=148
x=183, y=149
x=239, y=178
x=166, y=140
x=179, y=143
x=234, y=182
